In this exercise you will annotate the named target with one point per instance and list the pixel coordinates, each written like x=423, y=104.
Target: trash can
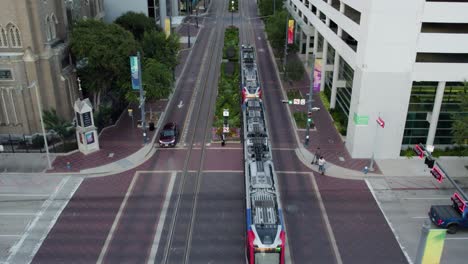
x=151, y=126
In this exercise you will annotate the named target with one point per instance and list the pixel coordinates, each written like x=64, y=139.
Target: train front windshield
x=267, y=258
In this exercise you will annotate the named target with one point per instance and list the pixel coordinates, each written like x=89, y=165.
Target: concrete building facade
x=403, y=61
x=35, y=61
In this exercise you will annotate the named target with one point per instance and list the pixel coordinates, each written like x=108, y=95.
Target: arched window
x=53, y=29
x=14, y=36
x=47, y=28
x=3, y=38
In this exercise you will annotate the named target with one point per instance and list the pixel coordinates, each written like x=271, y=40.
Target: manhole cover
x=111, y=155
x=341, y=158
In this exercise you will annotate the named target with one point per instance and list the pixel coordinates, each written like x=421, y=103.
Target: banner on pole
x=291, y=31
x=434, y=246
x=317, y=74
x=167, y=27
x=135, y=72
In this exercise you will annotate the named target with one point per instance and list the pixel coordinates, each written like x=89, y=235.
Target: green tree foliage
x=137, y=23
x=155, y=45
x=460, y=119
x=105, y=49
x=157, y=81
x=295, y=70
x=266, y=6
x=54, y=122
x=276, y=30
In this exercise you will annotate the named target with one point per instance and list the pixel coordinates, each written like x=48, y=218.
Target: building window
x=3, y=38
x=53, y=29
x=14, y=36
x=6, y=75
x=47, y=28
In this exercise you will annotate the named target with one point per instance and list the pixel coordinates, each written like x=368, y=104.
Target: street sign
x=226, y=112
x=381, y=122
x=296, y=101
x=302, y=101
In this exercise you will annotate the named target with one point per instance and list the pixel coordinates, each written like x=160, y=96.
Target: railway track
x=201, y=126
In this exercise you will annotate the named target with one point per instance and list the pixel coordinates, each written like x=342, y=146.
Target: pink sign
x=317, y=74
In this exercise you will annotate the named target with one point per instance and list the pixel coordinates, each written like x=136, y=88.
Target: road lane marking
x=419, y=217
x=13, y=214
x=45, y=205
x=425, y=198
x=22, y=195
x=456, y=238
x=369, y=186
x=56, y=216
x=331, y=235
x=117, y=219
x=10, y=235
x=162, y=219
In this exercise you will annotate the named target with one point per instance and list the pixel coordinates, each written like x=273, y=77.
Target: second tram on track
x=266, y=237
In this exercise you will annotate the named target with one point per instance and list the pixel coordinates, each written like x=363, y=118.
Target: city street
x=187, y=204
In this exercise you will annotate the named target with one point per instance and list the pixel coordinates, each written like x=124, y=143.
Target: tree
x=53, y=122
x=155, y=45
x=460, y=119
x=105, y=50
x=157, y=81
x=137, y=24
x=295, y=70
x=276, y=30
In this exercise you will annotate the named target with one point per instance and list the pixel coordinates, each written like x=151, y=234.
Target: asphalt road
x=186, y=205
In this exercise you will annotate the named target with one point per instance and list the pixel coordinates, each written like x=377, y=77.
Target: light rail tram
x=266, y=237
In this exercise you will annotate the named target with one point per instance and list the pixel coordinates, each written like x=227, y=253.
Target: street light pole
x=309, y=110
x=142, y=100
x=49, y=164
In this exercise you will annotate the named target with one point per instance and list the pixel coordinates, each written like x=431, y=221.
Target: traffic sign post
x=225, y=127
x=381, y=123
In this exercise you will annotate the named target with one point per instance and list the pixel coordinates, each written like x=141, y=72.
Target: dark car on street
x=168, y=135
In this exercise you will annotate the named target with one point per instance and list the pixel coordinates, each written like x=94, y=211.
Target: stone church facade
x=35, y=62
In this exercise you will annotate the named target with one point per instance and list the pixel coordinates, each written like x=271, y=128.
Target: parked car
x=168, y=136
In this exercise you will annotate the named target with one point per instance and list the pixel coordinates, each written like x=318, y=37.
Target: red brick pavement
x=116, y=142
x=332, y=146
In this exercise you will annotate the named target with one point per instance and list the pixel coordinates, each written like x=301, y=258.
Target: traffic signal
x=309, y=117
x=429, y=162
x=419, y=150
x=437, y=174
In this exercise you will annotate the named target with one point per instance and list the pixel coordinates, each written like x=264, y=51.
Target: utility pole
x=142, y=100
x=309, y=108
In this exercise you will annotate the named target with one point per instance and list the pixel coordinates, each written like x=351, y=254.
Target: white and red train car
x=266, y=236
x=250, y=85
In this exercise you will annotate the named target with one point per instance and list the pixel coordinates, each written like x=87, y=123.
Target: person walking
x=321, y=164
